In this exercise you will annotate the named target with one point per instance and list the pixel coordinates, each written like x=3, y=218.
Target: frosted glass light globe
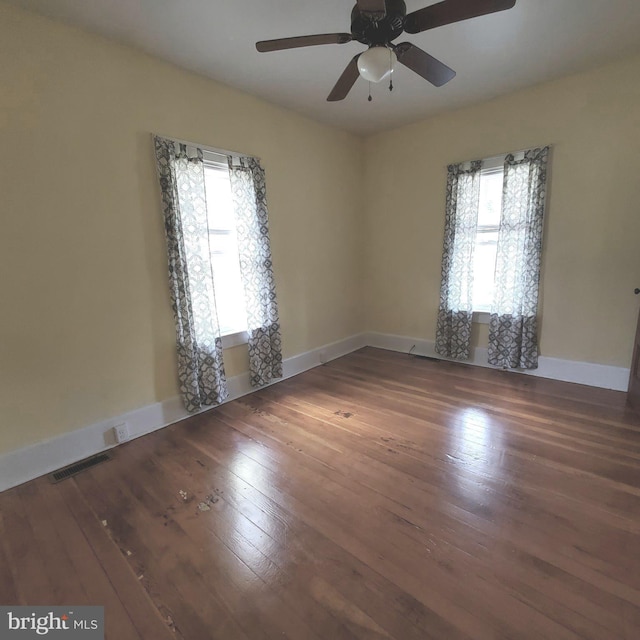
x=376, y=63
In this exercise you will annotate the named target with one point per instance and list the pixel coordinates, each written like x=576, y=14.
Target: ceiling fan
x=376, y=23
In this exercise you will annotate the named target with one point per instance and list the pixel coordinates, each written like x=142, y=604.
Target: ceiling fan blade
x=431, y=69
x=375, y=7
x=346, y=81
x=448, y=11
x=303, y=41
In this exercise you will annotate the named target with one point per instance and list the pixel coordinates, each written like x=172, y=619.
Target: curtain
x=453, y=335
x=513, y=341
x=200, y=368
x=250, y=203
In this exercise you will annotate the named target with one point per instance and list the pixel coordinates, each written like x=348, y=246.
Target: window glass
x=490, y=207
x=223, y=245
x=490, y=198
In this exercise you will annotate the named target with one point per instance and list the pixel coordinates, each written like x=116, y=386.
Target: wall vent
x=77, y=467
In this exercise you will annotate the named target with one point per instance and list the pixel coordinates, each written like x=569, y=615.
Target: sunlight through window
x=486, y=247
x=223, y=245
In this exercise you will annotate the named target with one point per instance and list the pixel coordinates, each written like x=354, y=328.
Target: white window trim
x=492, y=164
x=496, y=162
x=214, y=158
x=207, y=148
x=235, y=339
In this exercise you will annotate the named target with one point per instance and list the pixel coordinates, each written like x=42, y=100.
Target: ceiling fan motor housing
x=375, y=30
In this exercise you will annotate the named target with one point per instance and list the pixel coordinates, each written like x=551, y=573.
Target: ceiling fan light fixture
x=377, y=63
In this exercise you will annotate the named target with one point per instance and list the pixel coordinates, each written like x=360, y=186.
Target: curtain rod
x=205, y=147
x=504, y=155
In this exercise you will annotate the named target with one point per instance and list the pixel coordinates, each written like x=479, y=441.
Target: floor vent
x=77, y=467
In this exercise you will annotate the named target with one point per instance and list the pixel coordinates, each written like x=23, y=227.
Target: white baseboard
x=593, y=375
x=44, y=457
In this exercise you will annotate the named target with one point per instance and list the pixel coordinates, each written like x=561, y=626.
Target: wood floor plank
x=86, y=570
x=519, y=440
x=167, y=565
x=367, y=422
x=229, y=578
x=207, y=518
x=520, y=496
x=260, y=518
x=23, y=553
x=281, y=525
x=382, y=531
x=381, y=496
x=8, y=588
x=480, y=541
x=133, y=606
x=357, y=530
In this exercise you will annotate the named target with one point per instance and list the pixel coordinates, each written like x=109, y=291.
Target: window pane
x=221, y=242
x=223, y=245
x=490, y=198
x=484, y=270
x=490, y=209
x=219, y=202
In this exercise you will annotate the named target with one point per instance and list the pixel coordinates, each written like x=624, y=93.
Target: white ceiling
x=536, y=41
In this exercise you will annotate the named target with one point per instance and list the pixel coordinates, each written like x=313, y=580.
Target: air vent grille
x=77, y=467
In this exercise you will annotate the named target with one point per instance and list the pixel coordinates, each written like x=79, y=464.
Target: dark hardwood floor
x=378, y=496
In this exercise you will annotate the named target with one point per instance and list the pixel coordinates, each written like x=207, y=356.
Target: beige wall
x=591, y=259
x=86, y=326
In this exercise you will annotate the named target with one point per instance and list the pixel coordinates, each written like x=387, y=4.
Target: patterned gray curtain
x=250, y=203
x=513, y=331
x=200, y=367
x=453, y=335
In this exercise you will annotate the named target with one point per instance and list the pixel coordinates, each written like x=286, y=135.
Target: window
x=221, y=278
x=486, y=246
x=492, y=249
x=223, y=246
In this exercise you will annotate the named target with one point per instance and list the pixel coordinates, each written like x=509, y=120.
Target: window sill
x=481, y=317
x=234, y=339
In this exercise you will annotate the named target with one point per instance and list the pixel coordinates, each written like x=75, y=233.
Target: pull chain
x=369, y=98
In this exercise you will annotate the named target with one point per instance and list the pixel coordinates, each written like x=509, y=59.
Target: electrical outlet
x=121, y=432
